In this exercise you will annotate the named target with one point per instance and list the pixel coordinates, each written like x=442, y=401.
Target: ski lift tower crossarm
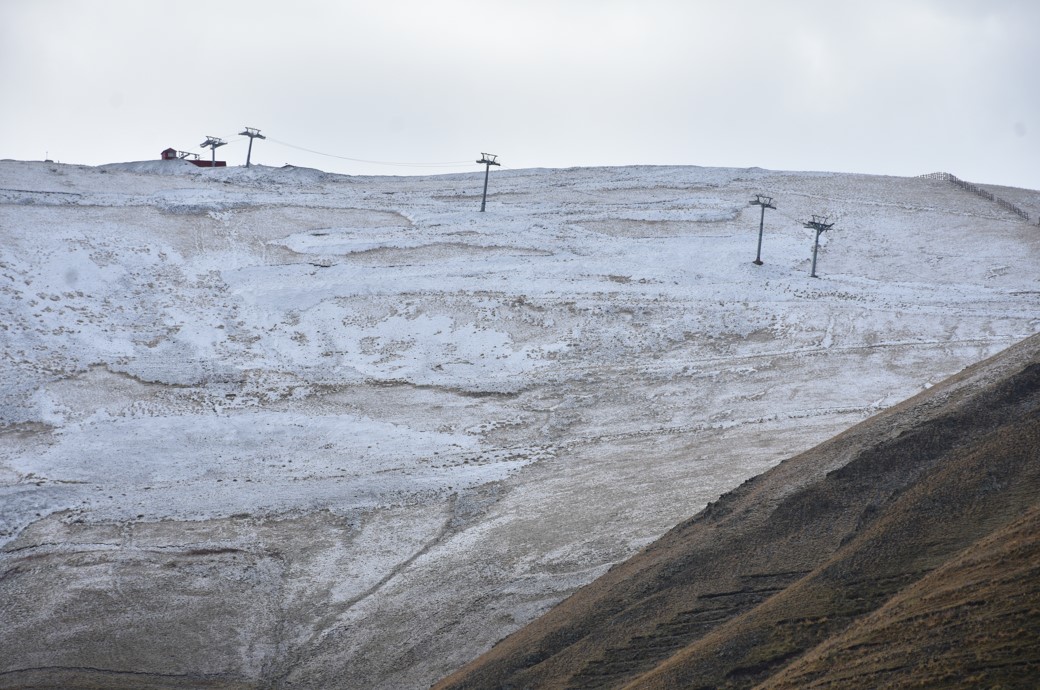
x=819, y=224
x=765, y=202
x=487, y=160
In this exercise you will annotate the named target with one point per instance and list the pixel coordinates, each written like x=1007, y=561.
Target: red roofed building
x=172, y=154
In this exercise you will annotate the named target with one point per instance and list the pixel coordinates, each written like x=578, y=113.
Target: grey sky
x=888, y=87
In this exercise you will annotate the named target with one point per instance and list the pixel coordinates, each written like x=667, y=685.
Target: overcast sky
x=896, y=87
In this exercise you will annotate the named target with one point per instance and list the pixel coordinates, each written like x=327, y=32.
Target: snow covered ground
x=351, y=431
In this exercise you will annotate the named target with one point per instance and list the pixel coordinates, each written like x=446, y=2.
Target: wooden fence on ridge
x=979, y=191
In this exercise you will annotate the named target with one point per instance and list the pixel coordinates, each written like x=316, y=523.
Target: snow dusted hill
x=271, y=426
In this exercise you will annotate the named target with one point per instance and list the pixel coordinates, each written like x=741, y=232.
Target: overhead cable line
x=445, y=164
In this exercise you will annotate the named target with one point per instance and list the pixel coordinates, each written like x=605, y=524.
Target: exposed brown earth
x=904, y=552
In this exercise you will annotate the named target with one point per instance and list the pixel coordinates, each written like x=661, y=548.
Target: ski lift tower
x=765, y=202
x=486, y=159
x=819, y=224
x=252, y=133
x=212, y=143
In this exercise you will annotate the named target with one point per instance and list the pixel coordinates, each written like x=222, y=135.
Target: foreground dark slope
x=975, y=621
x=902, y=550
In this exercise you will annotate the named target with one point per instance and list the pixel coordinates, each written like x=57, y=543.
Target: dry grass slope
x=901, y=552
x=975, y=622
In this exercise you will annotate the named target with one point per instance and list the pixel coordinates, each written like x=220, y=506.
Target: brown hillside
x=776, y=581
x=975, y=621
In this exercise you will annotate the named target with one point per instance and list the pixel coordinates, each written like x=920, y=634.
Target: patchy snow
x=505, y=402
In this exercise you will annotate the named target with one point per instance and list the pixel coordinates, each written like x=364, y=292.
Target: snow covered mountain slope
x=276, y=425
x=916, y=533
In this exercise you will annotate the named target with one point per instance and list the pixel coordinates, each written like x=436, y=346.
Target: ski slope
x=374, y=430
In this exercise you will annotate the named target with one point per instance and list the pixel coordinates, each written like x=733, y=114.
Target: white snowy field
x=273, y=426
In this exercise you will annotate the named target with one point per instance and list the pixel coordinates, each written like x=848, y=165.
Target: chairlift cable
x=445, y=164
